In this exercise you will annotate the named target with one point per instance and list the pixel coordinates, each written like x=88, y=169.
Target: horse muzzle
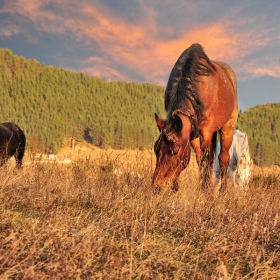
x=157, y=189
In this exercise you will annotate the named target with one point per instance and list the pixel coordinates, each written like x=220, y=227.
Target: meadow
x=97, y=218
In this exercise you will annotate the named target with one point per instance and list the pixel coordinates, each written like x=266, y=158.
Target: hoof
x=157, y=189
x=175, y=187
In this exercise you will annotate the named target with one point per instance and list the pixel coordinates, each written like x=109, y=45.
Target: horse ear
x=177, y=124
x=159, y=121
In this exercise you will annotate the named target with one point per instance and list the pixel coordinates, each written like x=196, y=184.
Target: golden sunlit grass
x=83, y=221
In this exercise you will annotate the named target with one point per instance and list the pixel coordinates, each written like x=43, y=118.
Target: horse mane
x=187, y=67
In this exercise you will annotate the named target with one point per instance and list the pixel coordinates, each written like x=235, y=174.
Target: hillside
x=53, y=105
x=58, y=108
x=262, y=125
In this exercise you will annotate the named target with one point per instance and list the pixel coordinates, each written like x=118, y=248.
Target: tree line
x=262, y=125
x=53, y=106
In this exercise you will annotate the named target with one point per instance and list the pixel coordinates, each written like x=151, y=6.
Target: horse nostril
x=174, y=152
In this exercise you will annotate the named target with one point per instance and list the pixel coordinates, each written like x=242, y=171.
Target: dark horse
x=200, y=100
x=12, y=143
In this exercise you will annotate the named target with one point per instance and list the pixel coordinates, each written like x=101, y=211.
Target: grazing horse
x=200, y=100
x=12, y=143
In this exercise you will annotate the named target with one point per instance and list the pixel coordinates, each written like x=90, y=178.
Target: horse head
x=172, y=150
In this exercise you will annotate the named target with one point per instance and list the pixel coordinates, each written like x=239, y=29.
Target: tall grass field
x=98, y=218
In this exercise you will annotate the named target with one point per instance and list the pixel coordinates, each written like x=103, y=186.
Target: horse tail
x=214, y=142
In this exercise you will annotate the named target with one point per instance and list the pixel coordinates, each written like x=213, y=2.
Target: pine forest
x=53, y=105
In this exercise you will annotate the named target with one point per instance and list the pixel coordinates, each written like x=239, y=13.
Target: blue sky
x=140, y=40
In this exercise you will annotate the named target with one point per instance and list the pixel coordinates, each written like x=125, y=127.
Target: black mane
x=181, y=84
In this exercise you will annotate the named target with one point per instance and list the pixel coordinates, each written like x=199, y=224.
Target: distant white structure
x=52, y=157
x=240, y=164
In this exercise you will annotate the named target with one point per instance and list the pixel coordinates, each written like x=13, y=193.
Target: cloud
x=98, y=67
x=153, y=58
x=254, y=69
x=143, y=41
x=8, y=32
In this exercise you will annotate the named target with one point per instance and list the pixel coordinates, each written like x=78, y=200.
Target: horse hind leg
x=226, y=136
x=18, y=157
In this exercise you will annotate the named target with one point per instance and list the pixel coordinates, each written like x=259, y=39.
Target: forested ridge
x=53, y=105
x=262, y=125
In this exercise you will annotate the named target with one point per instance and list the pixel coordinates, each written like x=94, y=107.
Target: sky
x=140, y=40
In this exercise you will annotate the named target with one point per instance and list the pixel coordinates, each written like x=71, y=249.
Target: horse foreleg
x=18, y=162
x=3, y=159
x=206, y=167
x=196, y=146
x=205, y=160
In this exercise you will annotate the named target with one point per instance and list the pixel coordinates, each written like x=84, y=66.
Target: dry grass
x=80, y=221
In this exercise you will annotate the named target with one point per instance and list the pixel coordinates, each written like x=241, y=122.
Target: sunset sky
x=140, y=40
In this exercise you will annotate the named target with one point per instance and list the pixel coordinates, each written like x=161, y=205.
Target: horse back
x=228, y=72
x=219, y=96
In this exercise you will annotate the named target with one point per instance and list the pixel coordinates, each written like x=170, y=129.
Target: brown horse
x=12, y=143
x=200, y=100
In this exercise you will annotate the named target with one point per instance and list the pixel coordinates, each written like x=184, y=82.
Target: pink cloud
x=8, y=31
x=139, y=47
x=257, y=69
x=155, y=60
x=99, y=68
